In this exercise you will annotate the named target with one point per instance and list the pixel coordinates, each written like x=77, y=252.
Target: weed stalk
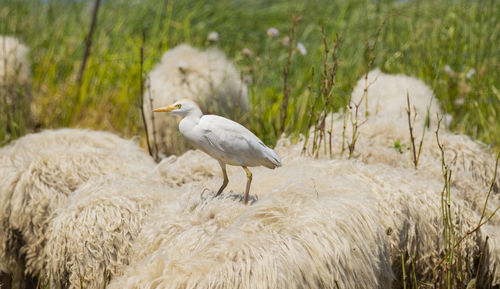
x=141, y=83
x=286, y=71
x=88, y=41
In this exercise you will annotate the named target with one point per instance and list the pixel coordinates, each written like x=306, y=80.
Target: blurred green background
x=451, y=45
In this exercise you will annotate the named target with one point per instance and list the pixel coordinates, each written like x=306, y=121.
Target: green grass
x=418, y=38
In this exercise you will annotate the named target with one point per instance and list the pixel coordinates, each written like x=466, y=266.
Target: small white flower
x=301, y=48
x=470, y=73
x=448, y=69
x=285, y=41
x=273, y=32
x=247, y=51
x=213, y=36
x=447, y=119
x=459, y=101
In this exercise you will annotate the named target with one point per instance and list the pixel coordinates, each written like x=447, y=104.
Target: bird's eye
x=178, y=106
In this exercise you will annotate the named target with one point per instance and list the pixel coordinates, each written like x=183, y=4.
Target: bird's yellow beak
x=165, y=108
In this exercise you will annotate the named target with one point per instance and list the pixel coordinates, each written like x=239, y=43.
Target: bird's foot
x=235, y=196
x=204, y=196
x=232, y=195
x=210, y=194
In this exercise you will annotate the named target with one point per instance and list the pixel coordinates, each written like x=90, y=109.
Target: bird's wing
x=227, y=140
x=226, y=135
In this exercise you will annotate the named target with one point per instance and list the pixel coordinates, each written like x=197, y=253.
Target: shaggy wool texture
x=37, y=174
x=490, y=274
x=206, y=77
x=384, y=138
x=386, y=94
x=15, y=83
x=387, y=125
x=89, y=240
x=209, y=236
x=294, y=237
x=409, y=199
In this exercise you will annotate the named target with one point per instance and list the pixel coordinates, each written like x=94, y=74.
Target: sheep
x=206, y=77
x=384, y=137
x=88, y=241
x=293, y=237
x=386, y=124
x=15, y=82
x=378, y=93
x=471, y=163
x=407, y=204
x=409, y=208
x=472, y=166
x=37, y=174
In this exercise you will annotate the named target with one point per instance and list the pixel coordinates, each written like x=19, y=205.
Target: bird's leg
x=226, y=179
x=249, y=181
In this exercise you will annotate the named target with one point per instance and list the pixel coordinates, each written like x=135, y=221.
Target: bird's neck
x=189, y=121
x=194, y=116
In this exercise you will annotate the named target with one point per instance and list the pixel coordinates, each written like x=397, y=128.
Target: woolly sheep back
x=386, y=95
x=472, y=164
x=37, y=174
x=206, y=77
x=407, y=203
x=407, y=200
x=293, y=237
x=89, y=240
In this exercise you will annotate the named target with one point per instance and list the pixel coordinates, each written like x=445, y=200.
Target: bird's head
x=181, y=108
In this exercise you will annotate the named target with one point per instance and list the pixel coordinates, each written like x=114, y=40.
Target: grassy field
x=451, y=45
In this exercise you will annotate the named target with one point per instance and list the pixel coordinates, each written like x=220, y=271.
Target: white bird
x=223, y=139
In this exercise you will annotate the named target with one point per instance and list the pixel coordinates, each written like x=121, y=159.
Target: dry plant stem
x=480, y=224
x=412, y=139
x=343, y=133
x=421, y=140
x=372, y=59
x=446, y=207
x=88, y=41
x=309, y=122
x=240, y=93
x=155, y=142
x=325, y=94
x=449, y=230
x=329, y=76
x=142, y=91
x=286, y=89
x=4, y=91
x=355, y=126
x=320, y=130
x=403, y=267
x=414, y=274
x=480, y=260
x=354, y=117
x=491, y=188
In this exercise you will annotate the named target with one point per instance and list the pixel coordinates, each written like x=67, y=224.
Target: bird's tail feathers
x=273, y=158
